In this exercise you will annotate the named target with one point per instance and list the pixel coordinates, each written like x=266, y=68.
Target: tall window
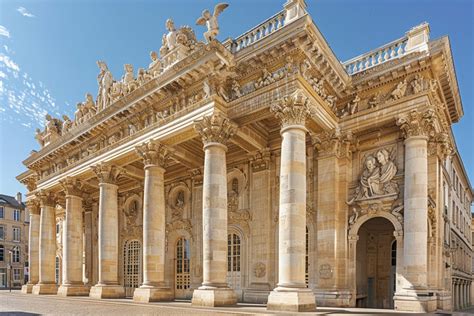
x=2, y=232
x=2, y=215
x=306, y=263
x=16, y=274
x=56, y=270
x=16, y=215
x=2, y=253
x=183, y=277
x=16, y=254
x=233, y=253
x=16, y=234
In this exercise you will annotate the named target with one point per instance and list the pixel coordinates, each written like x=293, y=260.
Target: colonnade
x=461, y=289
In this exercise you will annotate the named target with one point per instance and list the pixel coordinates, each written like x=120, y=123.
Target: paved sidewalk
x=16, y=303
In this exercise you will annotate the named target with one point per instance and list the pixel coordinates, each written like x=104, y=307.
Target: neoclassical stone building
x=259, y=169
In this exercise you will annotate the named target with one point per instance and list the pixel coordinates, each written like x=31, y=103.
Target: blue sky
x=49, y=49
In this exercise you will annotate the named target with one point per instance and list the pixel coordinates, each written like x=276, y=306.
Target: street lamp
x=10, y=267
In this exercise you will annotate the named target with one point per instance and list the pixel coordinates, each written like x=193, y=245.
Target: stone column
x=215, y=131
x=292, y=293
x=88, y=252
x=33, y=245
x=108, y=285
x=153, y=289
x=47, y=245
x=72, y=282
x=414, y=294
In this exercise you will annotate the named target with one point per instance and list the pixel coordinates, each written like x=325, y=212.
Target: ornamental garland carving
x=293, y=109
x=376, y=179
x=107, y=173
x=153, y=153
x=259, y=270
x=417, y=123
x=215, y=129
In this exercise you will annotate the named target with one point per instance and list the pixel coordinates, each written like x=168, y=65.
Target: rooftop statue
x=155, y=66
x=105, y=80
x=168, y=42
x=210, y=21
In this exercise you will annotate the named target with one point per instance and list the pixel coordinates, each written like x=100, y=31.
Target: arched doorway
x=132, y=267
x=375, y=267
x=234, y=263
x=182, y=269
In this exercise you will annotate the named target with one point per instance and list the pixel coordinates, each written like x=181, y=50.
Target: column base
x=291, y=300
x=214, y=297
x=27, y=288
x=101, y=291
x=146, y=294
x=73, y=290
x=334, y=298
x=45, y=289
x=415, y=301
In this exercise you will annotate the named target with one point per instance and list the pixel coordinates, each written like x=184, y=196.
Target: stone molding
x=417, y=123
x=153, y=153
x=72, y=186
x=215, y=128
x=292, y=110
x=46, y=198
x=333, y=143
x=107, y=173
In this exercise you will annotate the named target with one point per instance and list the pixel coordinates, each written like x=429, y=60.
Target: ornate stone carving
x=400, y=90
x=215, y=128
x=325, y=271
x=105, y=80
x=351, y=107
x=33, y=206
x=176, y=44
x=128, y=79
x=376, y=179
x=67, y=124
x=261, y=160
x=417, y=123
x=333, y=142
x=153, y=153
x=71, y=186
x=440, y=145
x=184, y=224
x=46, y=198
x=259, y=269
x=210, y=21
x=107, y=173
x=293, y=109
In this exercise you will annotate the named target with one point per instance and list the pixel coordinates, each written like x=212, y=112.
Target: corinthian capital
x=293, y=109
x=153, y=153
x=107, y=173
x=333, y=143
x=440, y=145
x=71, y=186
x=417, y=123
x=215, y=129
x=33, y=206
x=46, y=198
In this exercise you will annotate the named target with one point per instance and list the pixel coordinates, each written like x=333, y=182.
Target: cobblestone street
x=19, y=304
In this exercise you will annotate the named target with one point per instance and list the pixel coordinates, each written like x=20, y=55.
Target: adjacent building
x=14, y=222
x=260, y=169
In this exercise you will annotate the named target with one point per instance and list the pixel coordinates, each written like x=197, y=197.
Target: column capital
x=46, y=198
x=153, y=153
x=72, y=186
x=215, y=128
x=107, y=173
x=333, y=143
x=33, y=206
x=292, y=110
x=440, y=145
x=418, y=123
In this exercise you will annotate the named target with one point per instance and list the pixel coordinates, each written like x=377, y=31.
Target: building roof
x=11, y=201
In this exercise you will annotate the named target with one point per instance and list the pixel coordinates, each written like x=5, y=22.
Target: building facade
x=260, y=169
x=14, y=222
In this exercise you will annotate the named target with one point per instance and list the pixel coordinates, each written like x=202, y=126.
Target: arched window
x=183, y=277
x=306, y=265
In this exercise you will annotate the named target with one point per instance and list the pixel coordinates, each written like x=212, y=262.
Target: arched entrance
x=376, y=253
x=182, y=269
x=132, y=267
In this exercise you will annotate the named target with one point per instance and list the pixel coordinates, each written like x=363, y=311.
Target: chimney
x=18, y=197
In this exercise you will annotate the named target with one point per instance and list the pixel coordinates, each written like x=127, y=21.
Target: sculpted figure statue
x=79, y=114
x=400, y=90
x=116, y=91
x=210, y=21
x=129, y=79
x=353, y=106
x=236, y=89
x=88, y=106
x=169, y=40
x=155, y=66
x=67, y=124
x=387, y=171
x=39, y=137
x=417, y=84
x=105, y=81
x=51, y=127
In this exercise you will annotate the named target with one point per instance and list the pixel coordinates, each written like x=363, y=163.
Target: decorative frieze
x=292, y=110
x=215, y=129
x=154, y=153
x=261, y=160
x=107, y=173
x=417, y=123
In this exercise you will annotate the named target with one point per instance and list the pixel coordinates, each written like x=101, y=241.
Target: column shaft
x=33, y=252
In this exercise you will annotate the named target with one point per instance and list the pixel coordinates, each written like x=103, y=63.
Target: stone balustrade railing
x=257, y=33
x=390, y=51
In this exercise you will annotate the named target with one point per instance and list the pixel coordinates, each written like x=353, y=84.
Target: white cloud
x=4, y=31
x=25, y=12
x=9, y=63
